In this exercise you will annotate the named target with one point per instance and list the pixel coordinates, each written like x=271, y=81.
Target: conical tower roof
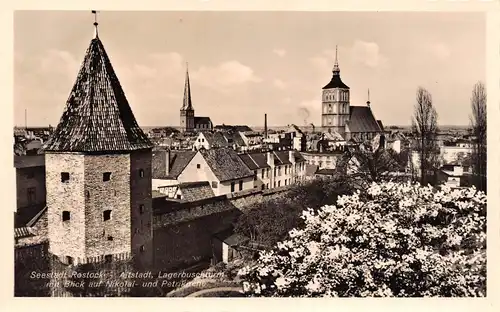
x=97, y=117
x=336, y=82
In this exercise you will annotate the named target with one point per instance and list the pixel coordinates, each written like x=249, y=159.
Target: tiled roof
x=23, y=232
x=25, y=161
x=282, y=157
x=215, y=139
x=238, y=128
x=226, y=164
x=361, y=120
x=202, y=120
x=336, y=82
x=192, y=191
x=380, y=124
x=249, y=162
x=97, y=117
x=260, y=159
x=178, y=161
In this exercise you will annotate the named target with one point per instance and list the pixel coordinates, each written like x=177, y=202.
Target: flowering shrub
x=391, y=239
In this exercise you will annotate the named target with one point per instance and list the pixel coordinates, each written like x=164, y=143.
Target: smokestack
x=265, y=126
x=26, y=119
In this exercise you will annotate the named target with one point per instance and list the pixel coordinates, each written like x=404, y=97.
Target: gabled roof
x=178, y=161
x=226, y=164
x=97, y=117
x=215, y=139
x=258, y=159
x=361, y=119
x=380, y=124
x=192, y=191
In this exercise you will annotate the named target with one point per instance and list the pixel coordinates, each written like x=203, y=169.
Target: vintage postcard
x=250, y=154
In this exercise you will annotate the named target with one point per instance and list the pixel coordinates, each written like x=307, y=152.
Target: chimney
x=270, y=159
x=167, y=161
x=291, y=156
x=265, y=126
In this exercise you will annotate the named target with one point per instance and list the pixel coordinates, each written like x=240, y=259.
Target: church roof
x=187, y=103
x=361, y=119
x=336, y=82
x=202, y=120
x=97, y=117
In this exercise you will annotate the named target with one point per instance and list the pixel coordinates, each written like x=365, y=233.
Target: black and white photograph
x=249, y=154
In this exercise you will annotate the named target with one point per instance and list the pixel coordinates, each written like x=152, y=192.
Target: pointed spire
x=368, y=101
x=336, y=68
x=186, y=104
x=96, y=33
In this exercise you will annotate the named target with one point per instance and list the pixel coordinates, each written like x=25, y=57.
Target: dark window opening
x=279, y=183
x=64, y=176
x=110, y=238
x=241, y=185
x=198, y=166
x=106, y=176
x=66, y=216
x=255, y=175
x=108, y=258
x=142, y=248
x=87, y=194
x=179, y=197
x=262, y=187
x=141, y=209
x=31, y=195
x=141, y=173
x=232, y=187
x=214, y=184
x=69, y=260
x=106, y=215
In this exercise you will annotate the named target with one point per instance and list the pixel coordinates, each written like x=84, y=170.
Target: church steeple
x=187, y=104
x=336, y=69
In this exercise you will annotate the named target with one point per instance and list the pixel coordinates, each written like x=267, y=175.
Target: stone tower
x=335, y=103
x=98, y=171
x=187, y=111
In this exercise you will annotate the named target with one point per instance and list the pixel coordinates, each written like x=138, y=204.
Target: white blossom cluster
x=391, y=239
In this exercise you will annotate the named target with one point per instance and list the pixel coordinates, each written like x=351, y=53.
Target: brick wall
x=66, y=238
x=141, y=225
x=111, y=195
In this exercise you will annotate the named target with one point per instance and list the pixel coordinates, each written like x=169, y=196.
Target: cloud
x=367, y=53
x=440, y=50
x=225, y=75
x=278, y=83
x=280, y=52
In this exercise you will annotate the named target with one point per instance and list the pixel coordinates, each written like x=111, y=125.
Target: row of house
x=224, y=171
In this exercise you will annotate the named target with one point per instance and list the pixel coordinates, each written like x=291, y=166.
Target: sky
x=243, y=65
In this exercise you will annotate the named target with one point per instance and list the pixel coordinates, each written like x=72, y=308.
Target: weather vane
x=95, y=22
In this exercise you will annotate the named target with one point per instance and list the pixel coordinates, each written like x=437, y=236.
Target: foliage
x=391, y=239
x=425, y=130
x=478, y=123
x=266, y=223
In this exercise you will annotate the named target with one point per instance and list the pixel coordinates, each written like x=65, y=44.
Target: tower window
x=110, y=238
x=141, y=209
x=87, y=194
x=66, y=216
x=106, y=176
x=141, y=173
x=108, y=258
x=69, y=260
x=106, y=215
x=64, y=176
x=142, y=248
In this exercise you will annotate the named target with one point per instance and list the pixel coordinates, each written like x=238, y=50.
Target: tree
x=369, y=164
x=391, y=239
x=425, y=130
x=478, y=123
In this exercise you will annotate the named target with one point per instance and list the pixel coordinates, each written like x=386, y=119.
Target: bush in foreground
x=389, y=240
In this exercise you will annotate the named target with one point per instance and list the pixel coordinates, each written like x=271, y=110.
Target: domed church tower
x=335, y=103
x=98, y=171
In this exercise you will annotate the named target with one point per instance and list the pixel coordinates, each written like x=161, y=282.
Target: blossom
x=380, y=245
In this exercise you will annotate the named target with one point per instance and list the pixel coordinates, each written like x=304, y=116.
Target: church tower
x=187, y=111
x=98, y=171
x=335, y=103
